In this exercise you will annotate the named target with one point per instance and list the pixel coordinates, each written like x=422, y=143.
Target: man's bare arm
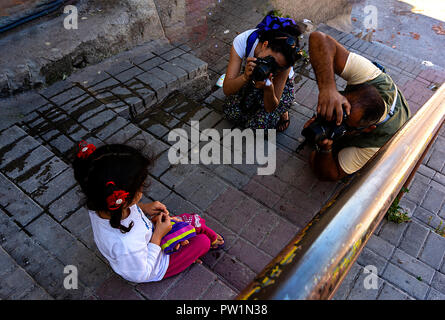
x=328, y=57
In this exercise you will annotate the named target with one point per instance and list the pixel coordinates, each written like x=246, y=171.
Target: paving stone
x=190, y=68
x=433, y=200
x=34, y=293
x=66, y=204
x=433, y=251
x=413, y=266
x=234, y=272
x=406, y=282
x=429, y=218
x=115, y=288
x=250, y=255
x=177, y=174
x=390, y=292
x=392, y=232
x=156, y=190
x=67, y=95
x=45, y=194
x=15, y=151
x=437, y=160
x=417, y=190
x=110, y=128
x=219, y=291
x=232, y=175
x=196, y=281
x=119, y=67
x=128, y=74
x=147, y=144
x=439, y=282
x=279, y=237
x=21, y=165
x=208, y=188
x=359, y=292
x=18, y=204
x=435, y=295
x=128, y=96
x=51, y=278
x=40, y=175
x=13, y=284
x=263, y=195
x=156, y=290
x=62, y=144
x=161, y=165
x=414, y=239
x=181, y=74
x=65, y=247
x=124, y=134
x=169, y=55
x=152, y=63
x=368, y=257
x=11, y=135
x=177, y=205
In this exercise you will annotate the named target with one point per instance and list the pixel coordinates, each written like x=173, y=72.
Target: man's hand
x=326, y=144
x=330, y=101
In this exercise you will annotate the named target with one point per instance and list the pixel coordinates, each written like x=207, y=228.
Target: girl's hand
x=154, y=208
x=250, y=65
x=177, y=219
x=163, y=224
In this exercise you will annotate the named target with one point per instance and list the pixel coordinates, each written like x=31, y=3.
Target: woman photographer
x=262, y=103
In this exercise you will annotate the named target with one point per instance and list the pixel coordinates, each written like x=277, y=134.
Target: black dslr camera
x=264, y=67
x=321, y=129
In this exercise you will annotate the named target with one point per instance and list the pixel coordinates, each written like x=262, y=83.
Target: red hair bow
x=115, y=200
x=85, y=150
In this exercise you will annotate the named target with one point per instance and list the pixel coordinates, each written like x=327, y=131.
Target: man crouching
x=351, y=126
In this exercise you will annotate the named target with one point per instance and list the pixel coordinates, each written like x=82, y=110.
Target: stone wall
x=45, y=52
x=318, y=11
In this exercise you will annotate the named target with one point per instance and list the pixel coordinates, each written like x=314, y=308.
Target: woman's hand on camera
x=248, y=71
x=262, y=84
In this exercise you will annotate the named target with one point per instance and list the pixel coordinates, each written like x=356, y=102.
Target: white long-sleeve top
x=131, y=254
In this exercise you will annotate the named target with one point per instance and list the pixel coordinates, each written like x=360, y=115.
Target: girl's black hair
x=277, y=42
x=124, y=165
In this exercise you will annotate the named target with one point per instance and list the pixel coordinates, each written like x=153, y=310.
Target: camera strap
x=391, y=110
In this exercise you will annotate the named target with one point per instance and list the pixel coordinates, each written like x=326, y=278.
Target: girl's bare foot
x=219, y=241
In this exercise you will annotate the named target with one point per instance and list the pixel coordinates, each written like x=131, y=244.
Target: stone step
x=133, y=81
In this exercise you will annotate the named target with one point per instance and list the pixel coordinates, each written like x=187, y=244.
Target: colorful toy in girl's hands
x=180, y=232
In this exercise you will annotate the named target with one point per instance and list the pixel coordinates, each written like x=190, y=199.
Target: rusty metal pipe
x=314, y=263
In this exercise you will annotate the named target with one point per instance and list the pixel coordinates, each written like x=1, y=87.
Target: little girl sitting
x=112, y=178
